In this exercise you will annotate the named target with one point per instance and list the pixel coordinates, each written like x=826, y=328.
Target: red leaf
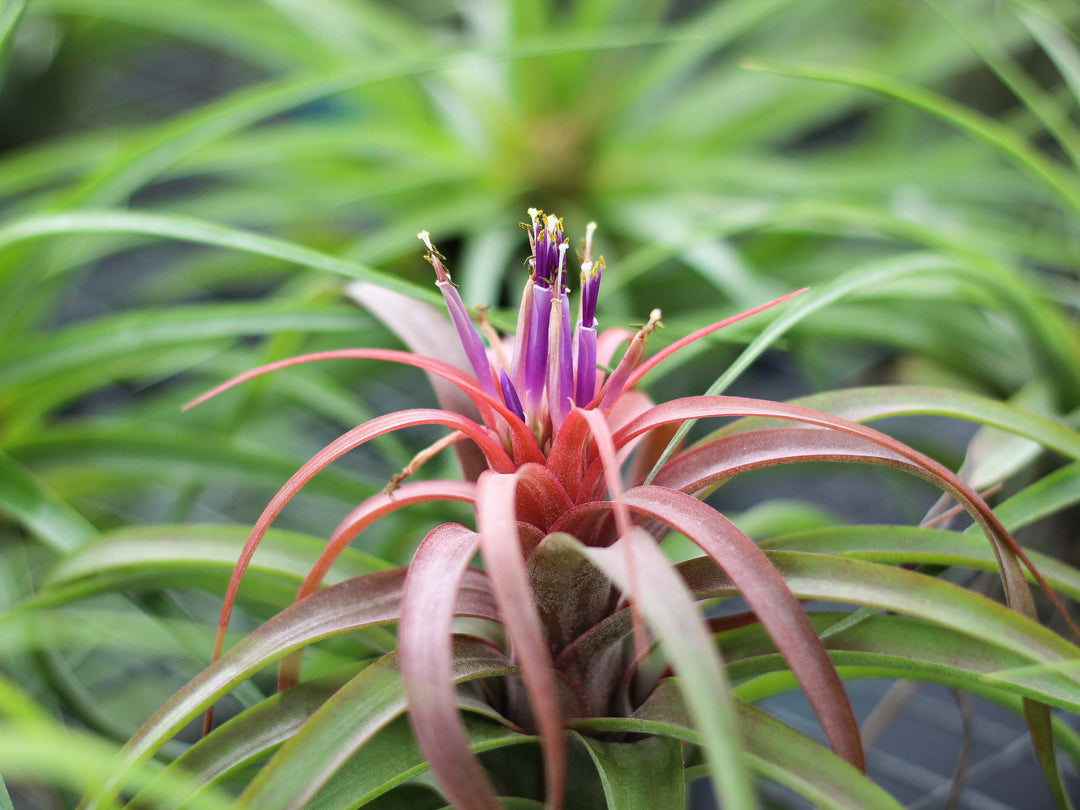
x=505, y=564
x=567, y=457
x=541, y=500
x=371, y=510
x=663, y=354
x=337, y=448
x=1007, y=550
x=606, y=448
x=706, y=465
x=431, y=588
x=770, y=598
x=524, y=444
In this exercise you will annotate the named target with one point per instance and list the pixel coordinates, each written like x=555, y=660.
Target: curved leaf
x=772, y=749
x=769, y=597
x=427, y=663
x=641, y=775
x=194, y=556
x=365, y=601
x=841, y=579
x=349, y=720
x=902, y=545
x=1001, y=137
x=668, y=610
x=912, y=648
x=45, y=515
x=186, y=229
x=881, y=402
x=503, y=558
x=104, y=339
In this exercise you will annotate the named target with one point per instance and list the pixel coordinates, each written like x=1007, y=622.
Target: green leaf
x=392, y=756
x=667, y=608
x=5, y=799
x=900, y=545
x=1046, y=496
x=841, y=579
x=367, y=601
x=27, y=500
x=156, y=452
x=252, y=734
x=1054, y=39
x=133, y=333
x=1058, y=342
x=197, y=231
x=1001, y=137
x=881, y=402
x=773, y=749
x=640, y=775
x=911, y=648
x=11, y=12
x=74, y=759
x=346, y=723
x=194, y=556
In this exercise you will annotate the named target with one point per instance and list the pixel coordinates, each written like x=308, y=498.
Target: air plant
x=577, y=633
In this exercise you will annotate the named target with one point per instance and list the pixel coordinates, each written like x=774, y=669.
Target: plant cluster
x=555, y=600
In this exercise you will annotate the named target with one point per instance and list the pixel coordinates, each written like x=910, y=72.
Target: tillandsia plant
x=578, y=645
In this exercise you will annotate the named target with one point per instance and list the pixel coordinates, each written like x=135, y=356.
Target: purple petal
x=585, y=364
x=536, y=352
x=521, y=336
x=470, y=339
x=459, y=316
x=590, y=290
x=510, y=395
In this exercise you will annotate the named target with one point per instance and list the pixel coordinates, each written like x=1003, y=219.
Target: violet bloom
x=553, y=368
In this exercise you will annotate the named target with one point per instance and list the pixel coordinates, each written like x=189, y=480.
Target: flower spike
x=470, y=340
x=560, y=352
x=585, y=349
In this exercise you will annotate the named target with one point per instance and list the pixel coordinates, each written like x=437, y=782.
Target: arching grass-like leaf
x=1003, y=139
x=772, y=749
x=200, y=232
x=670, y=613
x=911, y=545
x=25, y=499
x=818, y=576
x=192, y=556
x=870, y=403
x=366, y=601
x=908, y=647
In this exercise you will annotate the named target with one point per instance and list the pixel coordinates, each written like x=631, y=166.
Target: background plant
x=953, y=267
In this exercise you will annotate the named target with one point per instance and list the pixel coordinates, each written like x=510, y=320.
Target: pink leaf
x=770, y=598
x=505, y=564
x=706, y=465
x=606, y=448
x=427, y=671
x=662, y=355
x=337, y=448
x=1007, y=550
x=367, y=513
x=524, y=445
